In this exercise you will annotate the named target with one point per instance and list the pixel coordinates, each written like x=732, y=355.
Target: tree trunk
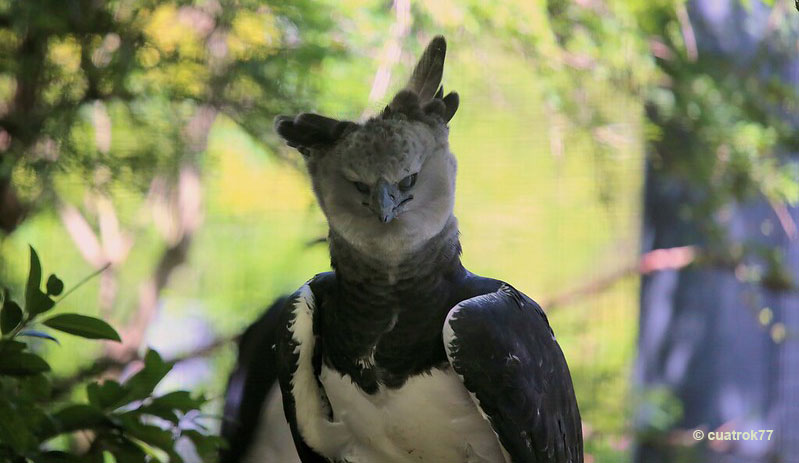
x=726, y=348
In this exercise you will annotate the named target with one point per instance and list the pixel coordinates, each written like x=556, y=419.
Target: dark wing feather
x=504, y=350
x=254, y=375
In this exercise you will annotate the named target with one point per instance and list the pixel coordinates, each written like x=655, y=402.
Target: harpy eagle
x=399, y=354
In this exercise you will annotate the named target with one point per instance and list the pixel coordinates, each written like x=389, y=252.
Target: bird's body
x=384, y=368
x=400, y=354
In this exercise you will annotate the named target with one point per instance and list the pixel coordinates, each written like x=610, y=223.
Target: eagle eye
x=362, y=187
x=408, y=182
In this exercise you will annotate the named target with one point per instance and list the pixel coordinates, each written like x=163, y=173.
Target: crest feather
x=308, y=130
x=427, y=74
x=423, y=95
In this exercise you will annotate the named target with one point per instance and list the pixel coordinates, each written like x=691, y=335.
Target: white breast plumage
x=431, y=418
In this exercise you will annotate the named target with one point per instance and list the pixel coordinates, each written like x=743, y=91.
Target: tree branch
x=392, y=51
x=107, y=363
x=652, y=261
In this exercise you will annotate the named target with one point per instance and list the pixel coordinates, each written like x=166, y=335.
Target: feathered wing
x=298, y=363
x=248, y=385
x=502, y=347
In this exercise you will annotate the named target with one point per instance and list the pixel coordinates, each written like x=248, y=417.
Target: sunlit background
x=146, y=144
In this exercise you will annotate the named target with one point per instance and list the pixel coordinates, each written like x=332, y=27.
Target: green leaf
x=165, y=406
x=22, y=364
x=142, y=384
x=97, y=452
x=154, y=454
x=54, y=286
x=151, y=435
x=10, y=315
x=37, y=386
x=82, y=325
x=8, y=346
x=79, y=416
x=56, y=456
x=35, y=418
x=125, y=451
x=165, y=413
x=106, y=395
x=207, y=446
x=38, y=303
x=34, y=280
x=179, y=400
x=13, y=429
x=38, y=334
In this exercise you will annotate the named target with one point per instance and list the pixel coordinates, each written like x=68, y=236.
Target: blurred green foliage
x=100, y=99
x=105, y=90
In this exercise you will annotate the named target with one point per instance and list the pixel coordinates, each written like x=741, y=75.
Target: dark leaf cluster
x=126, y=420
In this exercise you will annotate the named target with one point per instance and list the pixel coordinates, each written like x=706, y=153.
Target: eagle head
x=387, y=184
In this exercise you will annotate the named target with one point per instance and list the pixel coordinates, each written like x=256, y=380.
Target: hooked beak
x=384, y=201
